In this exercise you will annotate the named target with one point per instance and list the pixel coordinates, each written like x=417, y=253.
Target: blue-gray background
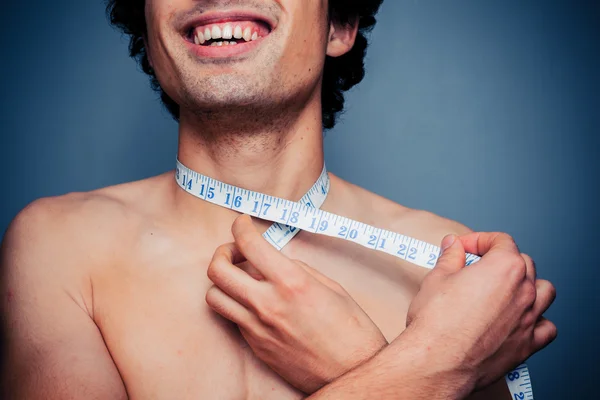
x=487, y=112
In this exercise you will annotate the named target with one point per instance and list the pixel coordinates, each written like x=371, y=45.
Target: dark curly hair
x=339, y=75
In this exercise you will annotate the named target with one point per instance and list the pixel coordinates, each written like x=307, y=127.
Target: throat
x=287, y=169
x=276, y=152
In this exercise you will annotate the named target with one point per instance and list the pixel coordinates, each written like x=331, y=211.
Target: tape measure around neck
x=290, y=217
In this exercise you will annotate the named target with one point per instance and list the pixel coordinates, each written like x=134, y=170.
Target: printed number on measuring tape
x=290, y=217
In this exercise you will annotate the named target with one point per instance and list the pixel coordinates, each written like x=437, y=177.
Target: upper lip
x=227, y=16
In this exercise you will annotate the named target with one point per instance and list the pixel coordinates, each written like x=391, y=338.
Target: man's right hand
x=487, y=318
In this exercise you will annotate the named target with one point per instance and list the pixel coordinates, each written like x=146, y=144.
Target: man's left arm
x=498, y=390
x=323, y=361
x=434, y=228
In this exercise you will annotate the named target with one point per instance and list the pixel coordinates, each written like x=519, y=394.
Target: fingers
x=481, y=243
x=270, y=263
x=231, y=253
x=544, y=333
x=546, y=293
x=230, y=309
x=229, y=278
x=251, y=270
x=530, y=267
x=453, y=256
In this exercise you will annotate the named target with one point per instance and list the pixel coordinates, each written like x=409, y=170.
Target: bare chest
x=168, y=344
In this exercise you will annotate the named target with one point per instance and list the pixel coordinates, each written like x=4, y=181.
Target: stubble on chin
x=244, y=103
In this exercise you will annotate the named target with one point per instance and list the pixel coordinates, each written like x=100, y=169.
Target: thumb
x=452, y=258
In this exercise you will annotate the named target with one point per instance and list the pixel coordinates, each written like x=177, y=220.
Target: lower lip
x=224, y=51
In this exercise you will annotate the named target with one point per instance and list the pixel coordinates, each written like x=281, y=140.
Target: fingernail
x=448, y=241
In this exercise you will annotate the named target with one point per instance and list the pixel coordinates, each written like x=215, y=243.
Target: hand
x=299, y=322
x=487, y=318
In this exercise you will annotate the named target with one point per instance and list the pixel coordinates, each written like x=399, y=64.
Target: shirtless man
x=105, y=293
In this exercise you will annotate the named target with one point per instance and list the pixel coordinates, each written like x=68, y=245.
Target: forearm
x=408, y=368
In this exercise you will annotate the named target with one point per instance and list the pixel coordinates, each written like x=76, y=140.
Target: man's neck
x=282, y=158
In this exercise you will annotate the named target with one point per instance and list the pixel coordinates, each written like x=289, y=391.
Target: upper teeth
x=216, y=32
x=229, y=31
x=237, y=32
x=247, y=34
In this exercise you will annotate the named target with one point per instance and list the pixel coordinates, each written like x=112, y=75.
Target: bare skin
x=126, y=272
x=103, y=293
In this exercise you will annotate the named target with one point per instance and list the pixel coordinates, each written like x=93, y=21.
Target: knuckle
x=551, y=291
x=528, y=320
x=246, y=240
x=296, y=285
x=222, y=248
x=507, y=240
x=552, y=332
x=260, y=338
x=516, y=268
x=527, y=258
x=242, y=239
x=211, y=296
x=216, y=270
x=517, y=262
x=269, y=312
x=529, y=263
x=213, y=271
x=546, y=334
x=529, y=293
x=503, y=236
x=264, y=314
x=221, y=251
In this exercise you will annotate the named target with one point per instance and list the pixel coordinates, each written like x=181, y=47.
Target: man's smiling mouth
x=228, y=33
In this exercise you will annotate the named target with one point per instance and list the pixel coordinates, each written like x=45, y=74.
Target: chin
x=231, y=90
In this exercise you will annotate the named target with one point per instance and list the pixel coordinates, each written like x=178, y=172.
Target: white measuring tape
x=290, y=217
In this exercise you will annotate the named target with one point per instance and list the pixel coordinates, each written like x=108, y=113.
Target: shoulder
x=69, y=219
x=46, y=295
x=376, y=210
x=76, y=230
